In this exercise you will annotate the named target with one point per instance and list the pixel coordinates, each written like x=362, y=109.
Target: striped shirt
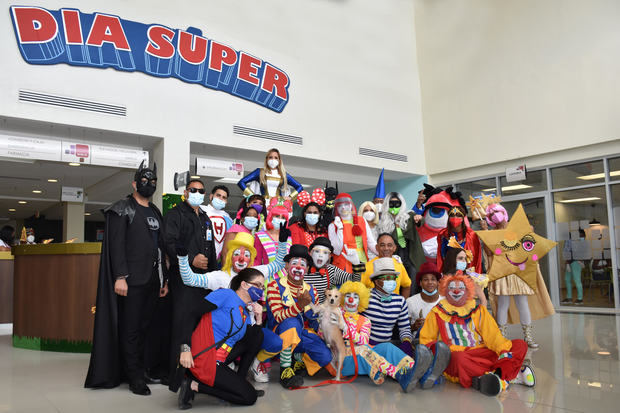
x=335, y=278
x=282, y=301
x=215, y=280
x=385, y=315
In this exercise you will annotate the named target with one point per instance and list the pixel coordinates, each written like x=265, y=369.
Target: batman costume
x=132, y=249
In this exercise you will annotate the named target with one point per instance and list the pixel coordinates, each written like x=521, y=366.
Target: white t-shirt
x=4, y=244
x=416, y=304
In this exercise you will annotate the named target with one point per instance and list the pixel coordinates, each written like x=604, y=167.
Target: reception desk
x=6, y=287
x=55, y=288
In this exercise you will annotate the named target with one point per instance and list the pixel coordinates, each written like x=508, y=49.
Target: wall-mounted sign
x=47, y=37
x=219, y=168
x=72, y=194
x=118, y=157
x=30, y=148
x=516, y=174
x=76, y=152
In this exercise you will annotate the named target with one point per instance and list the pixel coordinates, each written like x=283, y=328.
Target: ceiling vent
x=72, y=103
x=385, y=155
x=263, y=134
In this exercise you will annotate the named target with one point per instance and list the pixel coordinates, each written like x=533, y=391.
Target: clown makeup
x=344, y=210
x=296, y=269
x=456, y=293
x=351, y=302
x=320, y=256
x=240, y=259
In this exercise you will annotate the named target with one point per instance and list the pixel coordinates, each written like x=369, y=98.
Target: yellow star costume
x=516, y=249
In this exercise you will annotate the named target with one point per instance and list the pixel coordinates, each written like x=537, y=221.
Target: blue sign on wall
x=49, y=37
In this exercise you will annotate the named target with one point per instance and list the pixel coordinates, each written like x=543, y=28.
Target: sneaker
x=579, y=302
x=488, y=384
x=567, y=301
x=299, y=367
x=525, y=377
x=259, y=372
x=409, y=378
x=289, y=380
x=438, y=365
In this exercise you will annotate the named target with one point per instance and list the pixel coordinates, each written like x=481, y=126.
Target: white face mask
x=273, y=163
x=369, y=216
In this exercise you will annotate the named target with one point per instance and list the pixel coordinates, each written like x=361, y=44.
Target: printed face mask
x=320, y=256
x=297, y=268
x=255, y=293
x=240, y=259
x=351, y=302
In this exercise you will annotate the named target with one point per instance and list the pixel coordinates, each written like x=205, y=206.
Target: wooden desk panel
x=6, y=291
x=54, y=295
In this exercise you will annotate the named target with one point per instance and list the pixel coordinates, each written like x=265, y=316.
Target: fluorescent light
x=595, y=384
x=598, y=176
x=21, y=202
x=52, y=180
x=227, y=180
x=74, y=164
x=490, y=189
x=515, y=187
x=570, y=201
x=11, y=209
x=195, y=177
x=604, y=353
x=37, y=191
x=87, y=214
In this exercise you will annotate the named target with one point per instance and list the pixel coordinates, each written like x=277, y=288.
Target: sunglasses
x=194, y=190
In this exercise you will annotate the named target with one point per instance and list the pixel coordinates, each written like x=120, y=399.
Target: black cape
x=104, y=370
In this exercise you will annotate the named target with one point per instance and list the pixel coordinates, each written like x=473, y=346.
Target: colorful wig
x=496, y=214
x=358, y=288
x=278, y=209
x=459, y=276
x=242, y=239
x=388, y=222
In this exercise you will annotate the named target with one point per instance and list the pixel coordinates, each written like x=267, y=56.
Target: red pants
x=465, y=365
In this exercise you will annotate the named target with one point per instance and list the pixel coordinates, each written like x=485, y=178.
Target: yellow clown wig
x=359, y=289
x=242, y=239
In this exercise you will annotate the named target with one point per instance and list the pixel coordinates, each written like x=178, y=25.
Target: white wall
x=516, y=80
x=352, y=66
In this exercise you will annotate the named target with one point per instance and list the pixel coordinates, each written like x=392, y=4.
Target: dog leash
x=330, y=381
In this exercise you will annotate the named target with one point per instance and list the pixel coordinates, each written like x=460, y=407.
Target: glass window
x=582, y=232
x=579, y=174
x=535, y=181
x=614, y=169
x=475, y=188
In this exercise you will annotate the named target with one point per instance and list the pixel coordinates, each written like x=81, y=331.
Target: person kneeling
x=232, y=330
x=481, y=357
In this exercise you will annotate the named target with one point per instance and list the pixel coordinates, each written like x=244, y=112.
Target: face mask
x=312, y=219
x=30, y=238
x=394, y=211
x=455, y=221
x=255, y=293
x=195, y=199
x=461, y=265
x=250, y=222
x=218, y=203
x=429, y=293
x=257, y=207
x=146, y=189
x=369, y=216
x=273, y=163
x=278, y=223
x=389, y=286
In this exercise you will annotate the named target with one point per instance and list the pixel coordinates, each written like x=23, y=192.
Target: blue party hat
x=380, y=191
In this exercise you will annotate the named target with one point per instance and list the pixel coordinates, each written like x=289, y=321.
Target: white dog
x=332, y=324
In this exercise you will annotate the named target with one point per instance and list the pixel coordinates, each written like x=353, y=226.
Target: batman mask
x=146, y=180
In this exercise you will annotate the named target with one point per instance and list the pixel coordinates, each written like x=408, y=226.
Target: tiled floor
x=577, y=369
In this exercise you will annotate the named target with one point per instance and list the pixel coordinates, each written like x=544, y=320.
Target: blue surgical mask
x=218, y=203
x=278, y=223
x=461, y=265
x=389, y=286
x=312, y=219
x=429, y=293
x=195, y=199
x=255, y=293
x=250, y=222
